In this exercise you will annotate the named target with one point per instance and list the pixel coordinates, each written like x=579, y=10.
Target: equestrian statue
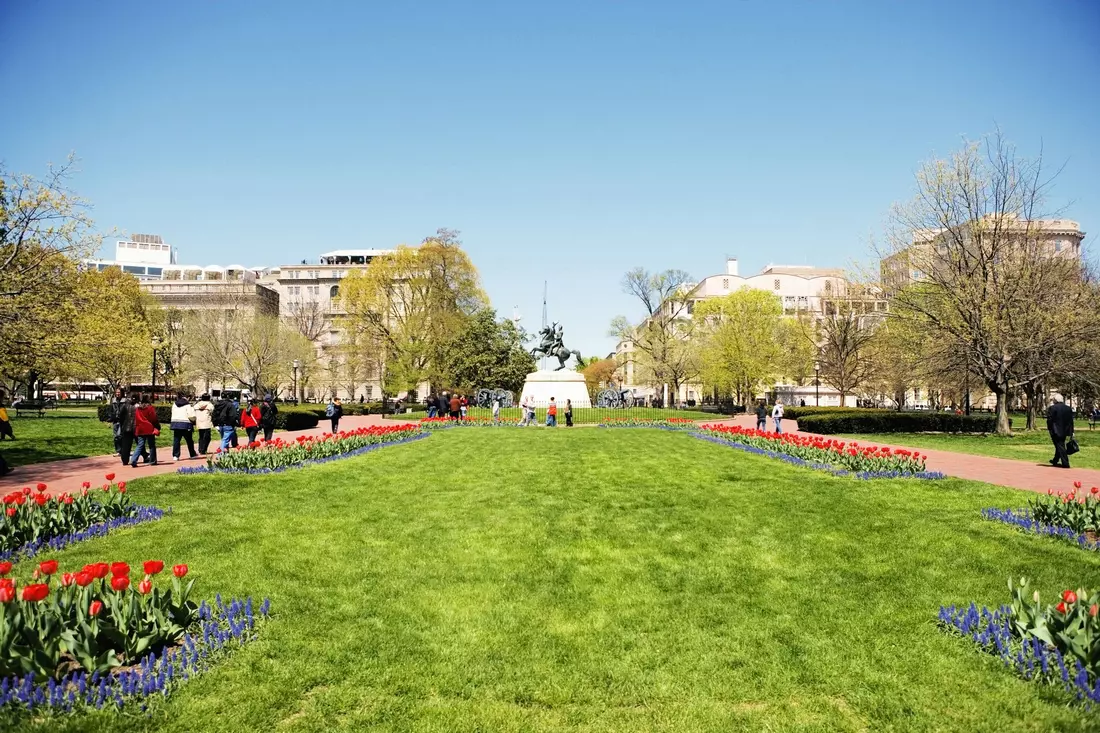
x=550, y=344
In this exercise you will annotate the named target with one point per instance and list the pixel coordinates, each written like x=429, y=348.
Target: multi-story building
x=802, y=289
x=144, y=256
x=1057, y=237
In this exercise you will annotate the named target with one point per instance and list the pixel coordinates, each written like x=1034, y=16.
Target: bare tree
x=307, y=317
x=974, y=262
x=664, y=350
x=846, y=335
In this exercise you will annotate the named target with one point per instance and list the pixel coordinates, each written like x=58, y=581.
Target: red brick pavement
x=69, y=475
x=1002, y=471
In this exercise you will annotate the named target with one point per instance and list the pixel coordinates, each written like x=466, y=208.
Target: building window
x=691, y=307
x=725, y=283
x=776, y=284
x=155, y=271
x=294, y=290
x=828, y=286
x=334, y=291
x=370, y=391
x=314, y=289
x=294, y=274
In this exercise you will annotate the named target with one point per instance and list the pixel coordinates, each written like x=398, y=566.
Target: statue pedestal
x=561, y=385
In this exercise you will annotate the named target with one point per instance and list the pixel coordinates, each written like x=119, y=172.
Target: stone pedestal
x=562, y=385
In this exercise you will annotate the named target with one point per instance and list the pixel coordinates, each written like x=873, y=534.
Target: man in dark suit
x=1060, y=427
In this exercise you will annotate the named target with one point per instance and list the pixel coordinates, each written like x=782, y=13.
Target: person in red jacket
x=146, y=429
x=250, y=420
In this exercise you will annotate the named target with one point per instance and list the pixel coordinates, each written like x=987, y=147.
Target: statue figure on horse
x=550, y=344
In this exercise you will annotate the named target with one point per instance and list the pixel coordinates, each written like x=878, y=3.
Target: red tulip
x=41, y=499
x=86, y=485
x=1061, y=607
x=179, y=570
x=5, y=568
x=1094, y=609
x=100, y=570
x=83, y=579
x=11, y=511
x=67, y=499
x=122, y=486
x=120, y=582
x=47, y=567
x=152, y=567
x=67, y=579
x=106, y=488
x=120, y=568
x=40, y=487
x=1069, y=596
x=7, y=593
x=144, y=587
x=35, y=592
x=95, y=608
x=110, y=477
x=26, y=490
x=1095, y=489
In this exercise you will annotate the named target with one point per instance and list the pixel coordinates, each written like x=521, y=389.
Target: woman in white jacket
x=183, y=422
x=204, y=421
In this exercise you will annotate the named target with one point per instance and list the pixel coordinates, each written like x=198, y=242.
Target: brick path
x=1002, y=471
x=69, y=475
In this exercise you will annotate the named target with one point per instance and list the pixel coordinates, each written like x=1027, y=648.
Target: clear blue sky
x=567, y=141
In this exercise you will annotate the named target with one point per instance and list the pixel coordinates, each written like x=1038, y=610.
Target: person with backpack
x=146, y=428
x=250, y=420
x=777, y=416
x=761, y=417
x=204, y=421
x=268, y=413
x=183, y=422
x=552, y=414
x=334, y=412
x=569, y=413
x=225, y=417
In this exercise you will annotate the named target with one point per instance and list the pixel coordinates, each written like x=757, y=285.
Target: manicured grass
x=61, y=434
x=1033, y=447
x=594, y=580
x=595, y=415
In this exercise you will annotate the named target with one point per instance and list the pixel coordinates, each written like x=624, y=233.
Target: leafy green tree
x=598, y=373
x=740, y=341
x=488, y=352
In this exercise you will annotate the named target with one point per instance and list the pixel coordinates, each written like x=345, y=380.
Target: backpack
x=268, y=411
x=330, y=410
x=225, y=414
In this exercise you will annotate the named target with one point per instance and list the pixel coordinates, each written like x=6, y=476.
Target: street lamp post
x=156, y=345
x=817, y=384
x=297, y=364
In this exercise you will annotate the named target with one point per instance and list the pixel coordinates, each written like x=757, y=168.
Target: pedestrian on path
x=568, y=413
x=126, y=425
x=268, y=414
x=115, y=411
x=250, y=420
x=146, y=428
x=433, y=405
x=455, y=406
x=777, y=416
x=552, y=414
x=183, y=425
x=334, y=412
x=761, y=416
x=204, y=421
x=225, y=417
x=496, y=410
x=1060, y=427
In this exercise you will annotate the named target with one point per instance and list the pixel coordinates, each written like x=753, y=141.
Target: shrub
x=867, y=421
x=795, y=412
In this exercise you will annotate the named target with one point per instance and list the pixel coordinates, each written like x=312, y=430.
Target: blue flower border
x=1022, y=519
x=1030, y=658
x=219, y=624
x=141, y=515
x=803, y=463
x=311, y=462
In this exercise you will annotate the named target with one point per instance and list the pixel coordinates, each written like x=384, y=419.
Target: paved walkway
x=1002, y=471
x=69, y=475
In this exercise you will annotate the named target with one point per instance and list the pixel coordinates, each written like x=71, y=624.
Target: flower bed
x=94, y=637
x=440, y=423
x=1053, y=645
x=669, y=423
x=33, y=520
x=843, y=458
x=1072, y=515
x=279, y=454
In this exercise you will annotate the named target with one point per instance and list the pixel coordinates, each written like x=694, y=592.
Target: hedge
x=873, y=421
x=794, y=412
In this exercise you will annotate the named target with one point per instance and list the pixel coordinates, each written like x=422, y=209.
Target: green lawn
x=61, y=434
x=593, y=580
x=593, y=415
x=1033, y=447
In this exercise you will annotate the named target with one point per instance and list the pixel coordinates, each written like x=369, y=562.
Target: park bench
x=34, y=407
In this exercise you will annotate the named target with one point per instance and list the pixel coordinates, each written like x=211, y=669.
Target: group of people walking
x=762, y=416
x=454, y=406
x=136, y=425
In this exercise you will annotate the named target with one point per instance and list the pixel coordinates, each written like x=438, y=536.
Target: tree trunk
x=843, y=398
x=1003, y=427
x=1032, y=392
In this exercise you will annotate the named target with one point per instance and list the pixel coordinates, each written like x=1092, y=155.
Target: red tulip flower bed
x=436, y=423
x=864, y=461
x=93, y=635
x=280, y=454
x=33, y=521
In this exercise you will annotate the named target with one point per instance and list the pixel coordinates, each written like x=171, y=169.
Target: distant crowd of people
x=456, y=407
x=136, y=425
